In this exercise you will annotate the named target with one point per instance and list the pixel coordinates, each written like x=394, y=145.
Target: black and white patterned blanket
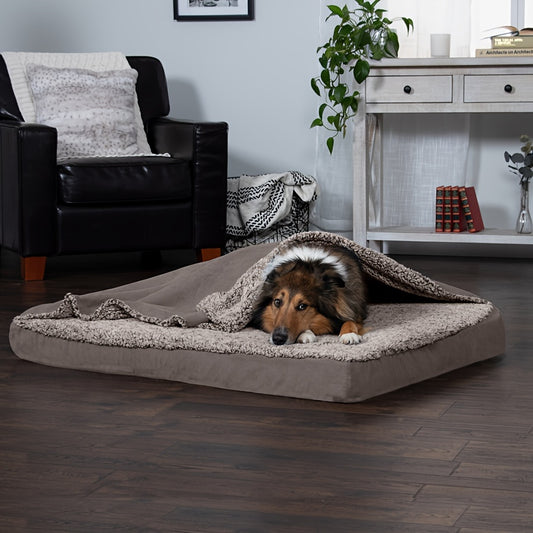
x=256, y=203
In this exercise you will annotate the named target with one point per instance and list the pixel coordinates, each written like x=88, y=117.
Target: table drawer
x=498, y=88
x=408, y=89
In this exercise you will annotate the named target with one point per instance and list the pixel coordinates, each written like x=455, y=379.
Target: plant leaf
x=344, y=30
x=361, y=70
x=409, y=25
x=314, y=85
x=336, y=10
x=329, y=143
x=392, y=45
x=339, y=92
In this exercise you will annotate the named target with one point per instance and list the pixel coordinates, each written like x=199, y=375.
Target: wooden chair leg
x=205, y=254
x=32, y=268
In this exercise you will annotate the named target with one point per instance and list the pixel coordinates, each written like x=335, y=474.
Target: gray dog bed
x=190, y=325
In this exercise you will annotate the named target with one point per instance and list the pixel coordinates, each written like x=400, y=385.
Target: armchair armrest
x=205, y=144
x=28, y=187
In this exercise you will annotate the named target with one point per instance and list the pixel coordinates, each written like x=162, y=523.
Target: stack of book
x=509, y=41
x=457, y=209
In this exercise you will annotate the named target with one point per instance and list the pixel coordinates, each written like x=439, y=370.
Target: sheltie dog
x=312, y=290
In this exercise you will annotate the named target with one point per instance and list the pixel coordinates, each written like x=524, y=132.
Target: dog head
x=299, y=294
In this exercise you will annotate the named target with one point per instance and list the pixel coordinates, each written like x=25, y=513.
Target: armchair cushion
x=123, y=180
x=93, y=112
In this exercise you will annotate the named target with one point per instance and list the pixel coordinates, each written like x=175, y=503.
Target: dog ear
x=280, y=270
x=328, y=277
x=332, y=280
x=272, y=276
x=329, y=284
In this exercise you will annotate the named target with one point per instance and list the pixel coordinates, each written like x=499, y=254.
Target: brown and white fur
x=309, y=291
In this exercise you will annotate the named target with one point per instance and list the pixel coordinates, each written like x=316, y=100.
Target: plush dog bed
x=190, y=325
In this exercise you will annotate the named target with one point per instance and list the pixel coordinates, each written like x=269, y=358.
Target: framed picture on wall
x=214, y=9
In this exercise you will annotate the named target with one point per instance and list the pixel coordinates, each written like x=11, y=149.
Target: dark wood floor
x=83, y=452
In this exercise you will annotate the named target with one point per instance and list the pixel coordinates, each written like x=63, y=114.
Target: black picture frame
x=199, y=10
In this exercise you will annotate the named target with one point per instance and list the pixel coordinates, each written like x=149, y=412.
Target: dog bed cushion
x=190, y=325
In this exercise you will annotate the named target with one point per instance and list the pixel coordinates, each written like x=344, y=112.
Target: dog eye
x=302, y=307
x=277, y=302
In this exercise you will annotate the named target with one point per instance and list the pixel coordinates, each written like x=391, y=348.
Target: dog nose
x=280, y=336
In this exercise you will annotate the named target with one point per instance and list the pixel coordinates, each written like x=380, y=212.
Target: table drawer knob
x=508, y=88
x=407, y=89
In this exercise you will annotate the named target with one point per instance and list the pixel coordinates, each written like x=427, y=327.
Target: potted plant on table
x=361, y=34
x=522, y=166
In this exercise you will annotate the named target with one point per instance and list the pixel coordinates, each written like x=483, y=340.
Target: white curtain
x=414, y=151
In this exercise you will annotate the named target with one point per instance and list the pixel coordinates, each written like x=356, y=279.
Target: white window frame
x=518, y=14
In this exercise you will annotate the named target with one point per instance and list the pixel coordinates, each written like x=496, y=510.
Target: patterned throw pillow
x=93, y=112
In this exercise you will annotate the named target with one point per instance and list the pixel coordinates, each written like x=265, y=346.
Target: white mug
x=440, y=44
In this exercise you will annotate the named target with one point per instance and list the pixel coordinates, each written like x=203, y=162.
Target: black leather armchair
x=91, y=205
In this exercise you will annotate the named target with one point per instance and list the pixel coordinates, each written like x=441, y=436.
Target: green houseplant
x=361, y=34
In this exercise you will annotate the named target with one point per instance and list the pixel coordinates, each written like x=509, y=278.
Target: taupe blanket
x=211, y=304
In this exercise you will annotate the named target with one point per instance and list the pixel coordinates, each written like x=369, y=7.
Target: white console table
x=457, y=85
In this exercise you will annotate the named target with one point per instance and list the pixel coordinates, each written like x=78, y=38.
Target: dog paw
x=307, y=336
x=350, y=338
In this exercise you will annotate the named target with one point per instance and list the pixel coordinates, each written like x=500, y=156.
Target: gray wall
x=252, y=74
